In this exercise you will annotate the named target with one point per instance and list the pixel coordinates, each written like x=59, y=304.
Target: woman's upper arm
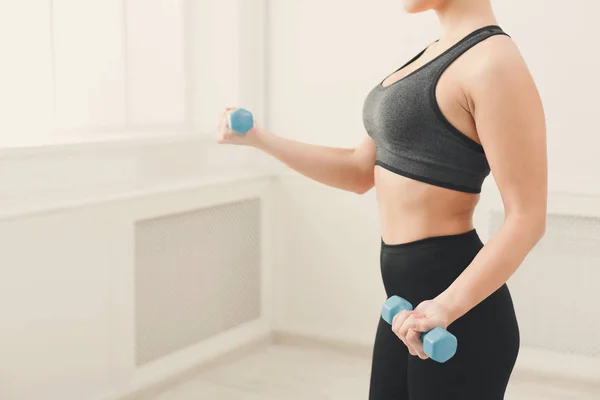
x=363, y=157
x=364, y=154
x=510, y=122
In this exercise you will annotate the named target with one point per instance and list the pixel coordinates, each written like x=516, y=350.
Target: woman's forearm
x=342, y=168
x=493, y=265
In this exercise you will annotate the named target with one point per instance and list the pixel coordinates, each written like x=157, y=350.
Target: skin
x=510, y=125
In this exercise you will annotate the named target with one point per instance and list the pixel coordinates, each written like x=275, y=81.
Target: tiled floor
x=296, y=373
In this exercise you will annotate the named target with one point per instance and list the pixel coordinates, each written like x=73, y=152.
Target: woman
x=436, y=127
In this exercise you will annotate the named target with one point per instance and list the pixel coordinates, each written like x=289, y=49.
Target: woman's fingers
x=403, y=332
x=402, y=326
x=223, y=122
x=225, y=134
x=397, y=324
x=398, y=321
x=413, y=339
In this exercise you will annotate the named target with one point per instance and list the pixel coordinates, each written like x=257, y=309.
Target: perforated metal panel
x=196, y=274
x=556, y=289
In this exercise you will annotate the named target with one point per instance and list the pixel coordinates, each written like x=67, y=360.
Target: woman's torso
x=412, y=209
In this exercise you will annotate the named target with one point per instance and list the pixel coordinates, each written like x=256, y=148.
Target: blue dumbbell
x=439, y=344
x=241, y=121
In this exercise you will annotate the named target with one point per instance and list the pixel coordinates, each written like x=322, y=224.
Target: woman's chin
x=417, y=6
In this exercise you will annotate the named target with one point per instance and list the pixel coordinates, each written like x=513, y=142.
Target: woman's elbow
x=364, y=183
x=538, y=224
x=541, y=227
x=532, y=225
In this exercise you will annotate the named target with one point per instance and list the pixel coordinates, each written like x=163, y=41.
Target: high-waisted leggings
x=488, y=335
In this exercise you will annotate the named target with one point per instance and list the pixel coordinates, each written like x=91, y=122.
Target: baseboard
x=288, y=338
x=539, y=364
x=169, y=383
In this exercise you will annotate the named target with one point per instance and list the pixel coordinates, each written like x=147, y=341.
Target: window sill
x=97, y=141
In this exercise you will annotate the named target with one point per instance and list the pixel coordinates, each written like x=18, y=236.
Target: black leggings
x=488, y=335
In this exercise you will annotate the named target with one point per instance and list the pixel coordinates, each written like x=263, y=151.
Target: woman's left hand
x=428, y=315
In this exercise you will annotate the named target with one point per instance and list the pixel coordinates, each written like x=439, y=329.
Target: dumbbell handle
x=439, y=344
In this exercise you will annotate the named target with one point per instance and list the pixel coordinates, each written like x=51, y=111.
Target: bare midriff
x=411, y=210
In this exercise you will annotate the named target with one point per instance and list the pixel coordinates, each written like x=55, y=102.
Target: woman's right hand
x=226, y=136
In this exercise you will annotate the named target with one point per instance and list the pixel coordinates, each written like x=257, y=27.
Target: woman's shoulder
x=494, y=58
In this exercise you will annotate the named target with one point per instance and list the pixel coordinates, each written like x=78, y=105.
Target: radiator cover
x=197, y=274
x=555, y=290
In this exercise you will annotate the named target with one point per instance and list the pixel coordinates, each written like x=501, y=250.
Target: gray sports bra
x=412, y=136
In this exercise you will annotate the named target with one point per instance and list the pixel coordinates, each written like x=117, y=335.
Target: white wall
x=83, y=70
x=105, y=97
x=324, y=57
x=556, y=39
x=109, y=111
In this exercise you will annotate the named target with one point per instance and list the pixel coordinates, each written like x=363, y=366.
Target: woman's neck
x=458, y=18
